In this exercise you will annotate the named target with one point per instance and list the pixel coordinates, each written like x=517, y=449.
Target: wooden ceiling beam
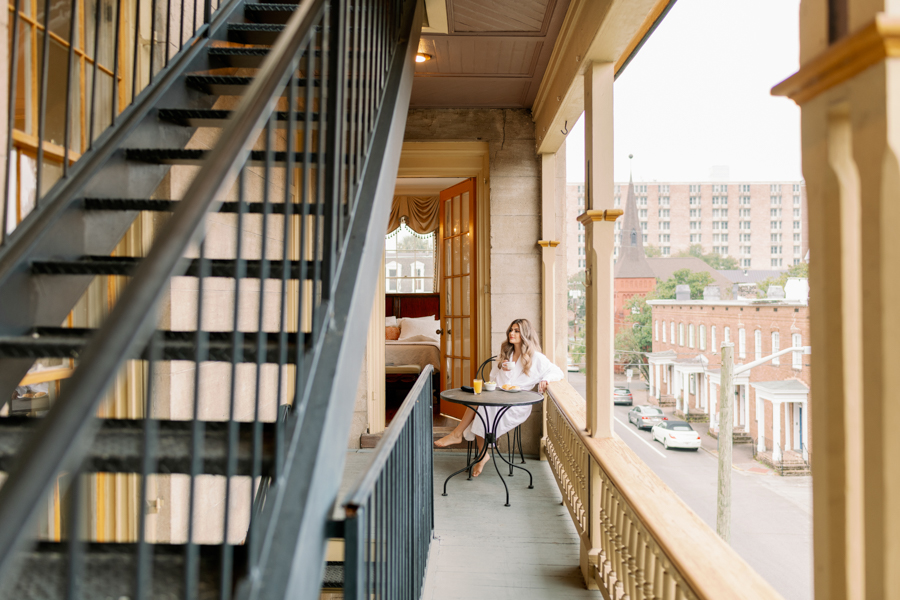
x=593, y=31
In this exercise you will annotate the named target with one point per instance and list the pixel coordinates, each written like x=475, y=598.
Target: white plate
x=512, y=390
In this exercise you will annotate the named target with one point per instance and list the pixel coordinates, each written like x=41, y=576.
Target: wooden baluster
x=639, y=550
x=668, y=583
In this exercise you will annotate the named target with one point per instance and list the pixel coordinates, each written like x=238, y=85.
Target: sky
x=697, y=95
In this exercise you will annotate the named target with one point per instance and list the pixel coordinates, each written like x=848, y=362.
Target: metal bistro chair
x=472, y=449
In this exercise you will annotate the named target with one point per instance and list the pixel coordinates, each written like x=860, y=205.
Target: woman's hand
x=542, y=386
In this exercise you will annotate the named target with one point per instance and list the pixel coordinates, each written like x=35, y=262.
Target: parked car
x=622, y=396
x=675, y=434
x=645, y=416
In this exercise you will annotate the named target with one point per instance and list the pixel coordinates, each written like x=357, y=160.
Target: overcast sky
x=697, y=96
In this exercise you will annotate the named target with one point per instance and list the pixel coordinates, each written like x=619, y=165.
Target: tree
x=713, y=259
x=577, y=311
x=635, y=339
x=651, y=251
x=801, y=270
x=697, y=280
x=411, y=241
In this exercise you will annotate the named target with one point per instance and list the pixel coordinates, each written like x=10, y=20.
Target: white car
x=676, y=434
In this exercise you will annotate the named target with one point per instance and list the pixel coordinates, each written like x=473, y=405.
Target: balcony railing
x=639, y=539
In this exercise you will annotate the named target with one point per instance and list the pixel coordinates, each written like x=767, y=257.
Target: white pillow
x=390, y=322
x=423, y=330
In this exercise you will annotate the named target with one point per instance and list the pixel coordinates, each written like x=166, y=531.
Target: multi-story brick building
x=762, y=224
x=771, y=400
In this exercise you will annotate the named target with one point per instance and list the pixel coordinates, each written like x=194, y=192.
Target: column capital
x=610, y=214
x=548, y=243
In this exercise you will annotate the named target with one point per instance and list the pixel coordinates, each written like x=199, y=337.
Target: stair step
x=263, y=34
x=108, y=570
x=231, y=85
x=218, y=118
x=275, y=208
x=242, y=58
x=181, y=156
x=125, y=266
x=118, y=446
x=270, y=13
x=63, y=342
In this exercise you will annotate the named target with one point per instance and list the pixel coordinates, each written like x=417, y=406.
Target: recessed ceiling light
x=422, y=57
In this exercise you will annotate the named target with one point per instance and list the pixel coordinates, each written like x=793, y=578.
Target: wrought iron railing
x=302, y=174
x=66, y=88
x=389, y=522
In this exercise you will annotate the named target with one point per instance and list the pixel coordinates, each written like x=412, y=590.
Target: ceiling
x=424, y=186
x=493, y=54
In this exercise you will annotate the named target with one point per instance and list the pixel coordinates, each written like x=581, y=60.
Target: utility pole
x=726, y=428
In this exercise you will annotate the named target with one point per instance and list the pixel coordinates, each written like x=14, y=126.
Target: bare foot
x=479, y=467
x=449, y=440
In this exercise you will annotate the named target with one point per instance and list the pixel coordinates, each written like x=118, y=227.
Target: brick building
x=762, y=224
x=771, y=406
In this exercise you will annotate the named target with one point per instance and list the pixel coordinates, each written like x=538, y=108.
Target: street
x=771, y=515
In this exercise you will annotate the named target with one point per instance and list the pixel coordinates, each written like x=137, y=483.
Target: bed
x=412, y=353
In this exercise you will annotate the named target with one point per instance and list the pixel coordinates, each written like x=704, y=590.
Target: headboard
x=412, y=305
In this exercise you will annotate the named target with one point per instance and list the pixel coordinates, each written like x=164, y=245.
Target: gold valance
x=419, y=212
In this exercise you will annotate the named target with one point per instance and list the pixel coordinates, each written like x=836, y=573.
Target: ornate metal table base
x=490, y=441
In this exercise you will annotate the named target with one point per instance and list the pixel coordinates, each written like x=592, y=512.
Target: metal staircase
x=323, y=91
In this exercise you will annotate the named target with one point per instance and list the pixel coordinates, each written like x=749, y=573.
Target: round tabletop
x=495, y=398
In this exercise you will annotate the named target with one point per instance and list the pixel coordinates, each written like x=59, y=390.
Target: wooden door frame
x=455, y=160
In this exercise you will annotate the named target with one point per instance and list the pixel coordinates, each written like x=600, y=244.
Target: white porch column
x=776, y=431
x=804, y=426
x=675, y=382
x=761, y=427
x=598, y=223
x=650, y=391
x=658, y=383
x=709, y=399
x=687, y=394
x=548, y=242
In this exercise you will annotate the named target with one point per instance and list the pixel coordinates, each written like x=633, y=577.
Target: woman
x=522, y=364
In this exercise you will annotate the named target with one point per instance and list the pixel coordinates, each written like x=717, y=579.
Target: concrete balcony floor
x=485, y=550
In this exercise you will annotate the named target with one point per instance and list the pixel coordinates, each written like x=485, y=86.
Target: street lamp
x=726, y=429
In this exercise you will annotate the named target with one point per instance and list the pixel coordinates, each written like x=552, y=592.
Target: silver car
x=645, y=416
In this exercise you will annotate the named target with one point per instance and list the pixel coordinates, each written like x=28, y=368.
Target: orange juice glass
x=476, y=383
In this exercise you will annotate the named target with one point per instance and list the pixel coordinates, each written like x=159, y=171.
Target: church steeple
x=631, y=261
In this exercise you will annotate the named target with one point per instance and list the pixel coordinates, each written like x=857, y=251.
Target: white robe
x=541, y=370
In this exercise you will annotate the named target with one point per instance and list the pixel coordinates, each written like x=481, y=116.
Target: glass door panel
x=457, y=290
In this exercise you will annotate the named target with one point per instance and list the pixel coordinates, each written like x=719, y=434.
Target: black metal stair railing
x=389, y=513
x=302, y=171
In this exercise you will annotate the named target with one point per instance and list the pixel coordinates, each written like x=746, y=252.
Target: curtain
x=419, y=212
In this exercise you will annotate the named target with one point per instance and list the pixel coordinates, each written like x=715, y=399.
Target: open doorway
x=427, y=266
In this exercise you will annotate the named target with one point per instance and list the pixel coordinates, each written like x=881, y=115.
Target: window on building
x=775, y=200
x=695, y=200
x=796, y=249
x=775, y=187
x=663, y=213
x=664, y=332
x=775, y=224
x=745, y=224
x=664, y=188
x=796, y=187
x=745, y=213
x=797, y=357
x=409, y=261
x=727, y=334
x=691, y=335
x=580, y=200
x=745, y=237
x=742, y=343
x=774, y=213
x=664, y=237
x=695, y=188
x=775, y=237
x=696, y=238
x=745, y=263
x=776, y=262
x=796, y=237
x=695, y=225
x=745, y=249
x=757, y=344
x=796, y=261
x=645, y=238
x=664, y=201
x=796, y=224
x=663, y=226
x=692, y=383
x=745, y=200
x=672, y=331
x=702, y=337
x=656, y=330
x=712, y=339
x=642, y=213
x=796, y=200
x=681, y=334
x=775, y=249
x=745, y=188
x=666, y=250
x=776, y=346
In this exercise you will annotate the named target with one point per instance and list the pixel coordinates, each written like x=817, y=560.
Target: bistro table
x=503, y=401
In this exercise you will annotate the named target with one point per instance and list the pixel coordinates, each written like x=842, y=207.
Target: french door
x=457, y=278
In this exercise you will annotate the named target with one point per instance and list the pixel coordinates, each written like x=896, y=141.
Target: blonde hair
x=530, y=344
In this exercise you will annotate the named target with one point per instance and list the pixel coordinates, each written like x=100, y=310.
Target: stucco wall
x=515, y=212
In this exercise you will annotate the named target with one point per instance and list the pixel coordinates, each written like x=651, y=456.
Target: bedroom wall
x=515, y=210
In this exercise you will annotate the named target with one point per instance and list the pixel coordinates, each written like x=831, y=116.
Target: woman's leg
x=476, y=469
x=456, y=436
